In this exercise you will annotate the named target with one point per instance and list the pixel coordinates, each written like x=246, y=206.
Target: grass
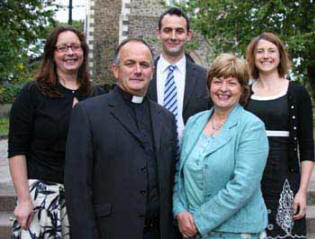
x=4, y=127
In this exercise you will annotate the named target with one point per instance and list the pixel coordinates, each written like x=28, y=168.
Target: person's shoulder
x=247, y=117
x=196, y=66
x=297, y=89
x=29, y=90
x=198, y=116
x=94, y=102
x=97, y=90
x=30, y=86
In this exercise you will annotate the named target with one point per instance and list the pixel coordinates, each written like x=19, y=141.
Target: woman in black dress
x=38, y=130
x=285, y=107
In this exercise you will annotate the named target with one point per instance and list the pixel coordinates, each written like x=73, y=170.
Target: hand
x=74, y=102
x=186, y=224
x=299, y=205
x=24, y=213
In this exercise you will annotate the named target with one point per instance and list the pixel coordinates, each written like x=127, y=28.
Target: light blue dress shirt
x=193, y=172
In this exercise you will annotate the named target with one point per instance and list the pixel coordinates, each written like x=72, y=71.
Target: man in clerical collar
x=120, y=157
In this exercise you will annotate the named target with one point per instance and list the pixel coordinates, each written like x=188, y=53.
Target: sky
x=78, y=12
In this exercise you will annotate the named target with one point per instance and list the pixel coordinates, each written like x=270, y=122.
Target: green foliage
x=8, y=92
x=4, y=127
x=228, y=26
x=23, y=26
x=78, y=25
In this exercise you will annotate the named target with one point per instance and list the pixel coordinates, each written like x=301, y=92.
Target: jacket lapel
x=157, y=121
x=192, y=140
x=221, y=139
x=152, y=91
x=121, y=113
x=190, y=80
x=225, y=134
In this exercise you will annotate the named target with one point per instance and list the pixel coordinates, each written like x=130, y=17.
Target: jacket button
x=143, y=192
x=293, y=117
x=294, y=127
x=295, y=138
x=292, y=107
x=294, y=149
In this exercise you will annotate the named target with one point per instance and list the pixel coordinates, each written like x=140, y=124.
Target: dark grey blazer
x=104, y=176
x=196, y=94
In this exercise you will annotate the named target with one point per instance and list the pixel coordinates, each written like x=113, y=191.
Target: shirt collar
x=180, y=65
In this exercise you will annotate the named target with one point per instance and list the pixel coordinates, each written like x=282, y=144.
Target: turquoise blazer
x=232, y=174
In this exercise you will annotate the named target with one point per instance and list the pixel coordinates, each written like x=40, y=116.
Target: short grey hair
x=116, y=60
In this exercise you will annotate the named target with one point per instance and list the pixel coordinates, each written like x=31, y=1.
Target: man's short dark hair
x=124, y=42
x=174, y=11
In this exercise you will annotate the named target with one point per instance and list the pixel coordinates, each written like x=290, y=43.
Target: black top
x=38, y=130
x=273, y=112
x=301, y=143
x=141, y=114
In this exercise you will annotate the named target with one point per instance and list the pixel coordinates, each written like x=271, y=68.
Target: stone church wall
x=115, y=20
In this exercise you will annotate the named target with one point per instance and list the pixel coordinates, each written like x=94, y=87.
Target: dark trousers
x=154, y=234
x=151, y=228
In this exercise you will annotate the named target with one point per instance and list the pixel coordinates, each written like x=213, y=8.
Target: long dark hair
x=46, y=76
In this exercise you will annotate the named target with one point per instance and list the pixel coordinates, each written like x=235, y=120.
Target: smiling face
x=173, y=34
x=267, y=57
x=68, y=56
x=225, y=92
x=135, y=69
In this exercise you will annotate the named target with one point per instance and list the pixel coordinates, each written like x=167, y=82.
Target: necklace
x=216, y=128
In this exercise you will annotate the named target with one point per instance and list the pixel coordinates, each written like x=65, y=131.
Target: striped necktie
x=170, y=92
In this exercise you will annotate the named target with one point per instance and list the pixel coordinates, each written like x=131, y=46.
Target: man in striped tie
x=178, y=84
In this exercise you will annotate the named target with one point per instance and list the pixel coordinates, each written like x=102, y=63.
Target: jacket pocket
x=103, y=210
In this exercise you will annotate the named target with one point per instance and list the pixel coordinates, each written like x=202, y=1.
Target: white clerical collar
x=137, y=99
x=129, y=97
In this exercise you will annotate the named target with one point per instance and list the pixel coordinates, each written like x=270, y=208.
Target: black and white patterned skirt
x=50, y=218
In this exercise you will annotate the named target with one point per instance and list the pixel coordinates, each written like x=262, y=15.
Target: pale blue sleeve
x=250, y=160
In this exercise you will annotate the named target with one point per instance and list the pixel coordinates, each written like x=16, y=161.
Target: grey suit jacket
x=196, y=94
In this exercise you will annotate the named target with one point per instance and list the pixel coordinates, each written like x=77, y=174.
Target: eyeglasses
x=65, y=48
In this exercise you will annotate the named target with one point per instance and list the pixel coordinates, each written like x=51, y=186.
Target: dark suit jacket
x=196, y=94
x=104, y=171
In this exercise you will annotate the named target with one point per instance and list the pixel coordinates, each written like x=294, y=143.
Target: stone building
x=111, y=21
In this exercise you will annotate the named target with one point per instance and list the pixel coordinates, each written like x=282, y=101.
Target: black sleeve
x=305, y=125
x=78, y=179
x=21, y=122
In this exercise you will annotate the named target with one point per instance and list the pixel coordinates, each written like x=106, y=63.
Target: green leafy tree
x=23, y=26
x=229, y=25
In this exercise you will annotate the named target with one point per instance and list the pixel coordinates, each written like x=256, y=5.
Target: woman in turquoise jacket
x=223, y=154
